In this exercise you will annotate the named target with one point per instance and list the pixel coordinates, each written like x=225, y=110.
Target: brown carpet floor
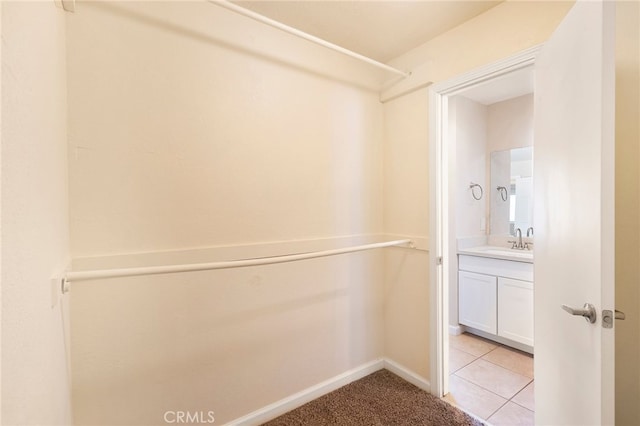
x=379, y=399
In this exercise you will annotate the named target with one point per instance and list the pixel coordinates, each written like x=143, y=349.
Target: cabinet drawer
x=497, y=267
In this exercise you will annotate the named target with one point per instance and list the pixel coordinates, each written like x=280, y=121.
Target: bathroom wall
x=510, y=124
x=35, y=231
x=468, y=124
x=470, y=165
x=193, y=127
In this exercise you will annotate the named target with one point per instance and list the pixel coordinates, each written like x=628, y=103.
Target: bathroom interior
x=492, y=247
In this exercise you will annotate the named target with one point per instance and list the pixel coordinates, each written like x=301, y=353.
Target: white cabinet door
x=477, y=301
x=515, y=310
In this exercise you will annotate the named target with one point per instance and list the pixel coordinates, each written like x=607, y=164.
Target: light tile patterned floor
x=491, y=381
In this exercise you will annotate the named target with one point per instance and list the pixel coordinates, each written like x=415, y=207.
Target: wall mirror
x=511, y=190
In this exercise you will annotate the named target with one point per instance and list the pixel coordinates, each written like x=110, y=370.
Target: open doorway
x=484, y=240
x=574, y=197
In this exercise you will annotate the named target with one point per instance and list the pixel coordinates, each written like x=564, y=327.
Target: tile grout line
x=487, y=360
x=493, y=393
x=506, y=368
x=507, y=400
x=498, y=409
x=462, y=350
x=469, y=353
x=519, y=392
x=521, y=406
x=477, y=357
x=488, y=390
x=495, y=363
x=470, y=362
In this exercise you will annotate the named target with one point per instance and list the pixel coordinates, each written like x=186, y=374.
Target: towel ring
x=503, y=193
x=473, y=187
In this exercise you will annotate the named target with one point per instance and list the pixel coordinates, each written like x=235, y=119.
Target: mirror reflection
x=511, y=190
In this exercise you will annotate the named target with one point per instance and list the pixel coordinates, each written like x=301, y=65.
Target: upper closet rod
x=261, y=18
x=192, y=267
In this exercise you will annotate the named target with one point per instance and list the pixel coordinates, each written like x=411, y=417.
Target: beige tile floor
x=491, y=381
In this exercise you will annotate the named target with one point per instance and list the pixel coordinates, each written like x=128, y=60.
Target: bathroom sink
x=500, y=253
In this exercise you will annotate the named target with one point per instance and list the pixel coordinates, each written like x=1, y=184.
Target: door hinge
x=439, y=260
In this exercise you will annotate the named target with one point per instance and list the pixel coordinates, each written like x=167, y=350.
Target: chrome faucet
x=530, y=229
x=518, y=243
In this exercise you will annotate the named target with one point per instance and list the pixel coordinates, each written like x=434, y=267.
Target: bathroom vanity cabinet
x=515, y=310
x=495, y=296
x=478, y=301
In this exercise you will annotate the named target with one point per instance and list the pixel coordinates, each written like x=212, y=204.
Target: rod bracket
x=69, y=5
x=65, y=285
x=59, y=287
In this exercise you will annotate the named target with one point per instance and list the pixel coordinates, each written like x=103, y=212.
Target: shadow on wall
x=280, y=57
x=229, y=341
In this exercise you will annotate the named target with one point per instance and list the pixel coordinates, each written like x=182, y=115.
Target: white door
x=574, y=218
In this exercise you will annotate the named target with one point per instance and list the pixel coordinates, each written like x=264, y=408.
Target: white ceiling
x=381, y=30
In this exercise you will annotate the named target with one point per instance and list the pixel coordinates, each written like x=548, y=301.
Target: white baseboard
x=296, y=400
x=408, y=375
x=507, y=342
x=456, y=330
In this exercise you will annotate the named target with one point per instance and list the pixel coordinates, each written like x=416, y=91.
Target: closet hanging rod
x=273, y=23
x=227, y=264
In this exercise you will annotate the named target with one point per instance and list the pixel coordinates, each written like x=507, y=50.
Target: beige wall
x=227, y=341
x=406, y=169
x=35, y=386
x=627, y=212
x=503, y=30
x=191, y=126
x=187, y=134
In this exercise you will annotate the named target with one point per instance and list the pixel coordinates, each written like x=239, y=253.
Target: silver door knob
x=588, y=311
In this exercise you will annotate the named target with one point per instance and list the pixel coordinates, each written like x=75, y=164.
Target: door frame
x=442, y=243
